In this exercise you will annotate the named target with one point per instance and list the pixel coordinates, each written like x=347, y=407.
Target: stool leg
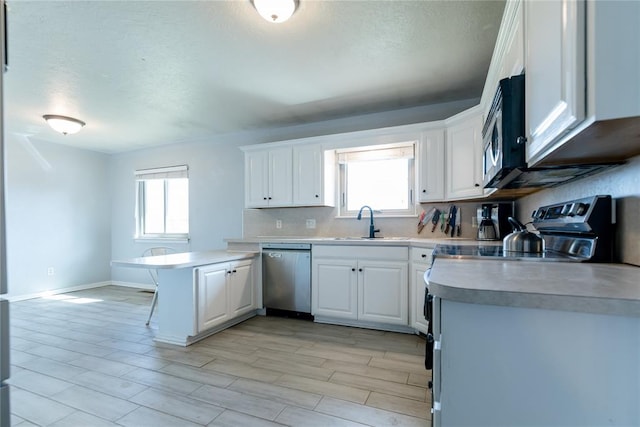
x=153, y=305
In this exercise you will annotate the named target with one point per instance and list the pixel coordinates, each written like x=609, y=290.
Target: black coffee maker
x=493, y=223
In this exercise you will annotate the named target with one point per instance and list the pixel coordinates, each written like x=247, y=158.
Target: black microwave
x=503, y=134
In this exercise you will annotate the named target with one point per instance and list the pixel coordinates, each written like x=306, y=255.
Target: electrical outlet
x=51, y=271
x=278, y=223
x=311, y=223
x=474, y=222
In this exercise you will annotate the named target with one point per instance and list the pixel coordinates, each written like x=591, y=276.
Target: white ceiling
x=143, y=73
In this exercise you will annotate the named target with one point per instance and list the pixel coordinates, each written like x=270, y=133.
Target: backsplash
x=622, y=183
x=262, y=222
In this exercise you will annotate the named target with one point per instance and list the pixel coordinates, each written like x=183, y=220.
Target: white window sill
x=161, y=239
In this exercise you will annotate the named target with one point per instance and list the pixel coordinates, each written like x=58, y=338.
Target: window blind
x=181, y=171
x=402, y=152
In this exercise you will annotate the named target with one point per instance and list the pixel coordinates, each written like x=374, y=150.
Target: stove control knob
x=539, y=214
x=566, y=209
x=579, y=209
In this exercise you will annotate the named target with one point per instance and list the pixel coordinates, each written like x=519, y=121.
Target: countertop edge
x=609, y=289
x=184, y=259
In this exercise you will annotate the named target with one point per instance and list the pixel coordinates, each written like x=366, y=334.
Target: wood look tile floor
x=87, y=359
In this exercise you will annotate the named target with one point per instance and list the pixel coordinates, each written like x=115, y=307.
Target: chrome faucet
x=372, y=228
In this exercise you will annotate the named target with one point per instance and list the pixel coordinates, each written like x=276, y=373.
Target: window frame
x=165, y=174
x=343, y=212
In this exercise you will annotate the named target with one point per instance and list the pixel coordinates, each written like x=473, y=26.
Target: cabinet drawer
x=393, y=253
x=422, y=255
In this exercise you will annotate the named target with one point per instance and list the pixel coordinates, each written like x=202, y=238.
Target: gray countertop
x=379, y=241
x=592, y=288
x=183, y=260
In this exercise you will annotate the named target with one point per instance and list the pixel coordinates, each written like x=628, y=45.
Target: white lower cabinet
x=360, y=283
x=420, y=262
x=224, y=291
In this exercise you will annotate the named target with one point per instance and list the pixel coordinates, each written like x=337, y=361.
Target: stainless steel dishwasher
x=286, y=279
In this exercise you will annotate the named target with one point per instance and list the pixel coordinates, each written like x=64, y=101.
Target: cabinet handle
x=476, y=185
x=424, y=191
x=423, y=255
x=360, y=269
x=264, y=198
x=430, y=385
x=269, y=198
x=228, y=272
x=317, y=196
x=234, y=271
x=353, y=269
x=521, y=140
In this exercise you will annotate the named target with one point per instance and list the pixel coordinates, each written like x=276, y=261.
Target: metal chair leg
x=153, y=304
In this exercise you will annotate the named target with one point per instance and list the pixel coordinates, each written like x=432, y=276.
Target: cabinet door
x=464, y=158
x=256, y=178
x=240, y=288
x=212, y=296
x=416, y=299
x=335, y=290
x=431, y=166
x=280, y=177
x=383, y=292
x=308, y=171
x=555, y=68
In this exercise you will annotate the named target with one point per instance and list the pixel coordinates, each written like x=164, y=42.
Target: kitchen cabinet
x=464, y=155
x=364, y=284
x=289, y=175
x=430, y=153
x=224, y=291
x=269, y=178
x=544, y=367
x=420, y=262
x=508, y=54
x=313, y=176
x=582, y=65
x=555, y=63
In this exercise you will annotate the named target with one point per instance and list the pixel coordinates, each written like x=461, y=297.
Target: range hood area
x=549, y=176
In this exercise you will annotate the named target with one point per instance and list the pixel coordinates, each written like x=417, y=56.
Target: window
x=380, y=177
x=162, y=203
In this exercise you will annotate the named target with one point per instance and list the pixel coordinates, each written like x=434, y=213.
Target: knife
x=435, y=219
x=449, y=219
x=452, y=222
x=458, y=231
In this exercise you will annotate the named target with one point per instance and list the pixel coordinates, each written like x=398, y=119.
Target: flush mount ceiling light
x=63, y=124
x=275, y=11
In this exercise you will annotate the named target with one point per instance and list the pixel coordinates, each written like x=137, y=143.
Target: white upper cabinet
x=313, y=176
x=464, y=156
x=582, y=64
x=508, y=54
x=555, y=70
x=430, y=153
x=289, y=175
x=268, y=178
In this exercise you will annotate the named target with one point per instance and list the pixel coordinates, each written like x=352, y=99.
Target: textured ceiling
x=142, y=73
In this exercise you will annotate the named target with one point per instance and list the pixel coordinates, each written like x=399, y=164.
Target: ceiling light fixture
x=275, y=11
x=63, y=124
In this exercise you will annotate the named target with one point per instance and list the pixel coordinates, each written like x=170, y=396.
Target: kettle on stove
x=522, y=240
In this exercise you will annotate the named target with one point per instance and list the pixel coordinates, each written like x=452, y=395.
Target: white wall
x=216, y=198
x=58, y=215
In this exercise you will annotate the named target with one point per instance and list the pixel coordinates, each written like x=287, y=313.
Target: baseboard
x=145, y=286
x=58, y=291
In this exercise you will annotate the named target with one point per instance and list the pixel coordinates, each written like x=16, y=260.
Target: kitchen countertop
x=571, y=286
x=183, y=260
x=378, y=241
